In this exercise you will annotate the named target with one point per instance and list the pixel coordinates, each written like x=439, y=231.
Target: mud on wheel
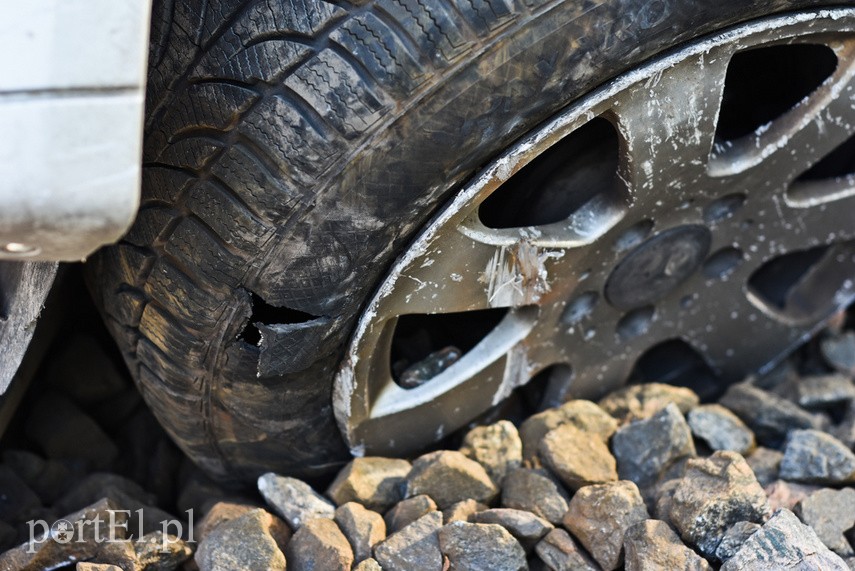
x=364, y=224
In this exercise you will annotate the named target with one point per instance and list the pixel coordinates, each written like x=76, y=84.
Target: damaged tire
x=292, y=152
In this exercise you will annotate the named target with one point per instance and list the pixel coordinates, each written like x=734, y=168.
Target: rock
x=158, y=552
x=319, y=544
x=49, y=479
x=363, y=528
x=645, y=400
x=68, y=540
x=408, y=511
x=221, y=512
x=578, y=458
x=814, y=457
x=560, y=552
x=80, y=437
x=839, y=352
x=120, y=553
x=720, y=429
x=584, y=415
x=765, y=463
x=599, y=515
x=536, y=491
x=368, y=565
x=242, y=544
x=18, y=503
x=414, y=547
x=652, y=545
x=783, y=494
x=664, y=495
x=845, y=431
x=830, y=513
x=768, y=415
x=526, y=527
x=85, y=566
x=823, y=391
x=294, y=500
x=784, y=543
x=664, y=437
x=733, y=539
x=480, y=547
x=448, y=476
x=97, y=485
x=461, y=511
x=375, y=482
x=496, y=447
x=716, y=493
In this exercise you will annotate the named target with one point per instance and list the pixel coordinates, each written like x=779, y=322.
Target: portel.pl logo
x=111, y=528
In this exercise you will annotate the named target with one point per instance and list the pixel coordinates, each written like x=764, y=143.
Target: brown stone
x=599, y=515
x=319, y=544
x=363, y=528
x=448, y=477
x=578, y=458
x=373, y=481
x=653, y=546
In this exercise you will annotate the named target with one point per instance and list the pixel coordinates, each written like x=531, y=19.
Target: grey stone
x=407, y=511
x=839, y=352
x=18, y=502
x=158, y=552
x=733, y=539
x=319, y=544
x=599, y=515
x=368, y=565
x=461, y=511
x=783, y=494
x=636, y=402
x=560, y=552
x=814, y=457
x=578, y=458
x=526, y=527
x=536, y=491
x=664, y=437
x=480, y=547
x=362, y=527
x=79, y=545
x=373, y=481
x=715, y=493
x=823, y=391
x=49, y=479
x=830, y=513
x=87, y=566
x=496, y=447
x=765, y=463
x=293, y=500
x=242, y=544
x=584, y=415
x=770, y=417
x=448, y=477
x=652, y=545
x=80, y=437
x=845, y=431
x=720, y=429
x=414, y=547
x=784, y=543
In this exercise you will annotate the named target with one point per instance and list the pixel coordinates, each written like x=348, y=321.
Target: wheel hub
x=657, y=267
x=637, y=251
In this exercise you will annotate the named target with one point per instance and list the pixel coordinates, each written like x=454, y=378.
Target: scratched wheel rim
x=724, y=230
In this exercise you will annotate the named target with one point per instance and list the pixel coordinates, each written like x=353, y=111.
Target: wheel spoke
x=668, y=125
x=774, y=156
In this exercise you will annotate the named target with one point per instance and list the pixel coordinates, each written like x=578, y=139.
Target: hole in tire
x=675, y=362
x=774, y=281
x=764, y=83
x=560, y=181
x=832, y=178
x=263, y=312
x=425, y=345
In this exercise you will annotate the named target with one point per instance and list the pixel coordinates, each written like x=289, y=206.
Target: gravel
x=647, y=478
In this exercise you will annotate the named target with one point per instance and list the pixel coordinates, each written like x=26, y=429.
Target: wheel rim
x=689, y=241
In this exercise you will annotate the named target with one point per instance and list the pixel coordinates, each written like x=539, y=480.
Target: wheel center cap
x=656, y=267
